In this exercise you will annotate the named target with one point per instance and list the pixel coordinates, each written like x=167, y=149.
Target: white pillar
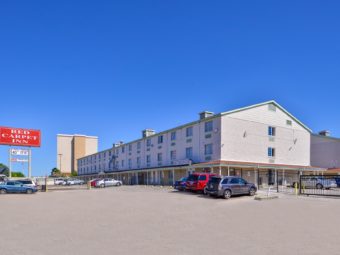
x=220, y=170
x=173, y=176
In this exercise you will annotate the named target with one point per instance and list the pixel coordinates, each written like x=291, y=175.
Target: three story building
x=263, y=143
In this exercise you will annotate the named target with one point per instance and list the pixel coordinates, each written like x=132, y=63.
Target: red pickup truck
x=198, y=181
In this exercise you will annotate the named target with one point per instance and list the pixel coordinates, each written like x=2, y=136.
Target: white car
x=107, y=182
x=74, y=182
x=59, y=181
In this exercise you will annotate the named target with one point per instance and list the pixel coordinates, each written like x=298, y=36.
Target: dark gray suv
x=228, y=186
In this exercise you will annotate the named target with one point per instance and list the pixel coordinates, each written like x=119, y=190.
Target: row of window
x=208, y=127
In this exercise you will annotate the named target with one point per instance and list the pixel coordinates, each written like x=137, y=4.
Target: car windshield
x=215, y=179
x=193, y=177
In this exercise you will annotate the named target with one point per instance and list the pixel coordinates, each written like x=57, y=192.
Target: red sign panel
x=20, y=137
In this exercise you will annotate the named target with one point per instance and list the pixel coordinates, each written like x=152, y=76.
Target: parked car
x=93, y=182
x=16, y=187
x=228, y=186
x=107, y=182
x=27, y=182
x=198, y=181
x=74, y=182
x=59, y=181
x=180, y=184
x=337, y=180
x=318, y=183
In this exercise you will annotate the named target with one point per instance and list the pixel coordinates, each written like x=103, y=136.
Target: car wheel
x=3, y=191
x=205, y=192
x=227, y=194
x=252, y=192
x=119, y=184
x=319, y=186
x=102, y=185
x=29, y=191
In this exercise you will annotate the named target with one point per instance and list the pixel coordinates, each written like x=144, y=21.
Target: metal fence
x=320, y=185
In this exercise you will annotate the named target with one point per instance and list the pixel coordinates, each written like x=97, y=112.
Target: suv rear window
x=215, y=180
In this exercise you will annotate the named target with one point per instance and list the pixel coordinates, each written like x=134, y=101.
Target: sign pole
x=10, y=163
x=29, y=162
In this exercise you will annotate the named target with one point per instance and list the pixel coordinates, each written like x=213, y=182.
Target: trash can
x=43, y=188
x=89, y=185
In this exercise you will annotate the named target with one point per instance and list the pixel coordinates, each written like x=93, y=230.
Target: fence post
x=300, y=184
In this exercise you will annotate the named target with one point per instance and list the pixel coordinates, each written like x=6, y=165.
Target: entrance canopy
x=254, y=165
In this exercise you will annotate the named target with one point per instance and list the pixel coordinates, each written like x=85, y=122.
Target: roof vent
x=325, y=133
x=148, y=132
x=118, y=144
x=205, y=114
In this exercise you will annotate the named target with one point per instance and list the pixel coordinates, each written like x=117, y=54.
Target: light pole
x=60, y=155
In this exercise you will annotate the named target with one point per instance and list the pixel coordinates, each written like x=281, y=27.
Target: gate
x=320, y=185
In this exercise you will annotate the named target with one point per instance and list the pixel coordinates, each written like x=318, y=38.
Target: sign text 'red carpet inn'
x=19, y=137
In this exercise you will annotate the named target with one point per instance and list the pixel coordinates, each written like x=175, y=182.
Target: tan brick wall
x=79, y=150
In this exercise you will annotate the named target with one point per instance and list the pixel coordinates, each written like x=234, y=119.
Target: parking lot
x=155, y=220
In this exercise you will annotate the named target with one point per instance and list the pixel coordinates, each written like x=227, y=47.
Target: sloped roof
x=266, y=103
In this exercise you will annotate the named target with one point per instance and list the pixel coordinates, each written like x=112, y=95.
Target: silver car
x=318, y=183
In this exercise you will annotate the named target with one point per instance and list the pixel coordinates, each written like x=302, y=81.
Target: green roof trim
x=267, y=103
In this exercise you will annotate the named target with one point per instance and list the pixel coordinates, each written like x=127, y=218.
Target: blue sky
x=113, y=68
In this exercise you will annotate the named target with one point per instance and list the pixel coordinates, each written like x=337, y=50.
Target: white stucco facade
x=245, y=137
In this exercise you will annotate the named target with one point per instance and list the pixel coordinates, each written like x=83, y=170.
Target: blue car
x=180, y=184
x=16, y=187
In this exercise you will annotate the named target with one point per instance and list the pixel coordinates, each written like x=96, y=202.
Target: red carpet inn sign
x=19, y=137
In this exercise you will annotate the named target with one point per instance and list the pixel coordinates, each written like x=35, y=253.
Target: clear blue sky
x=113, y=68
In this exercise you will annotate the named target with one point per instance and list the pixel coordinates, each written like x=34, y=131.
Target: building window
x=272, y=107
x=271, y=152
x=173, y=136
x=138, y=146
x=123, y=163
x=208, y=149
x=148, y=160
x=130, y=147
x=189, y=131
x=160, y=139
x=138, y=162
x=208, y=126
x=289, y=123
x=188, y=153
x=159, y=157
x=148, y=142
x=130, y=164
x=123, y=149
x=271, y=131
x=173, y=155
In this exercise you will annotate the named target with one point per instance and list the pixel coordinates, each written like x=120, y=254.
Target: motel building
x=262, y=143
